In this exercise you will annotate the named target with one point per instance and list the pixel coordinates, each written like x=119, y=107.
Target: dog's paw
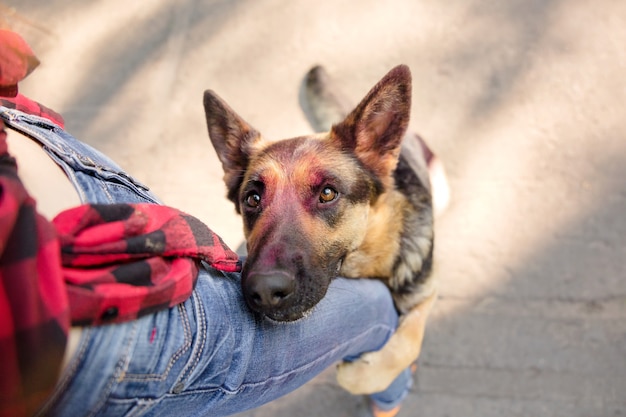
x=366, y=375
x=375, y=371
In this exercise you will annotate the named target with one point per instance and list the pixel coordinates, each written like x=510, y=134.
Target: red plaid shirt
x=92, y=264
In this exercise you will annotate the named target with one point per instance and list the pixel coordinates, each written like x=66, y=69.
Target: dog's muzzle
x=281, y=295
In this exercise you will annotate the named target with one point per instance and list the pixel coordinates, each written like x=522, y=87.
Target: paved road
x=522, y=99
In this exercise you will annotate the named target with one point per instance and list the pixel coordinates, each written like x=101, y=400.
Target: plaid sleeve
x=26, y=105
x=94, y=264
x=34, y=313
x=121, y=261
x=17, y=60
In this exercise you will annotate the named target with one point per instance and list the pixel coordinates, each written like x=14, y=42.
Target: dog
x=353, y=202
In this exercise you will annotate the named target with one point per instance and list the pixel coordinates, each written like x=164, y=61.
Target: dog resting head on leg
x=344, y=202
x=305, y=200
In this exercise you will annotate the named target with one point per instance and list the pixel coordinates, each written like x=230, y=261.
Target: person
x=136, y=330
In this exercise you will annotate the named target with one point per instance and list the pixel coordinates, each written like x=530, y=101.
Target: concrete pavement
x=523, y=100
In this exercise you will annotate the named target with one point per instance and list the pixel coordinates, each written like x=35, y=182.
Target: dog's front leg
x=375, y=371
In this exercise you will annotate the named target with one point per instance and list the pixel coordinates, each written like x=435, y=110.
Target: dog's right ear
x=234, y=141
x=374, y=129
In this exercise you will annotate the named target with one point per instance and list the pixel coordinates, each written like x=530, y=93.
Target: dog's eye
x=328, y=194
x=253, y=200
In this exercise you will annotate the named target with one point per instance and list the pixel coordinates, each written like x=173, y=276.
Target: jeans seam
x=118, y=373
x=177, y=355
x=69, y=172
x=140, y=408
x=46, y=134
x=103, y=187
x=128, y=185
x=201, y=337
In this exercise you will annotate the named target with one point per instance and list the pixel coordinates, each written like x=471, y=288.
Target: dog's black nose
x=268, y=291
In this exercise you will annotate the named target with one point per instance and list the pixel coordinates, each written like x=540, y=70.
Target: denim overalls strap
x=96, y=177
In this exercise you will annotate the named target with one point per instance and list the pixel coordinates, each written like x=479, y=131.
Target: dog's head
x=305, y=200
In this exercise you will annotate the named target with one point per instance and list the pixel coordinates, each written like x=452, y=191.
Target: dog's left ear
x=374, y=130
x=234, y=141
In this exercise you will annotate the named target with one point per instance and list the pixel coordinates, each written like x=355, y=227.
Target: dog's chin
x=286, y=317
x=288, y=313
x=294, y=310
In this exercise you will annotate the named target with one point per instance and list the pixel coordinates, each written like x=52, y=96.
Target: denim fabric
x=209, y=355
x=96, y=177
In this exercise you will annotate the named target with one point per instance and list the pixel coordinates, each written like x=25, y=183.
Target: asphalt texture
x=523, y=100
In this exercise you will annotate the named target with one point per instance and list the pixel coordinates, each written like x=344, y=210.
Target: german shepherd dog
x=352, y=202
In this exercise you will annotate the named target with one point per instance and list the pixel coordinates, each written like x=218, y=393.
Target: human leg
x=211, y=355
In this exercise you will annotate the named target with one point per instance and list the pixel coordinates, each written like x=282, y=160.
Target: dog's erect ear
x=374, y=130
x=233, y=140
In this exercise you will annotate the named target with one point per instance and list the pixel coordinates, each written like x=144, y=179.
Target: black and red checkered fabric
x=26, y=105
x=124, y=260
x=93, y=264
x=34, y=311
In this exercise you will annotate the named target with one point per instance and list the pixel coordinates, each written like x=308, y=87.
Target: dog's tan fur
x=353, y=201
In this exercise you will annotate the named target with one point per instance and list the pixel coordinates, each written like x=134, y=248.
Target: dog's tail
x=322, y=101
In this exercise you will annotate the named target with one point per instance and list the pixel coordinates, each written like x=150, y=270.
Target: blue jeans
x=209, y=355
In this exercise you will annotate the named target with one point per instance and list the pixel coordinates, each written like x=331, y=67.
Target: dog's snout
x=269, y=290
